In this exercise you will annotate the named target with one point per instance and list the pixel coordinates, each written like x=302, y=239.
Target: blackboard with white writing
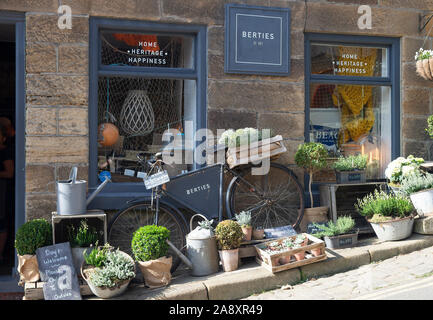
x=57, y=270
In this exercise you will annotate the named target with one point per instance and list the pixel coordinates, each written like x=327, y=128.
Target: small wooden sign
x=57, y=271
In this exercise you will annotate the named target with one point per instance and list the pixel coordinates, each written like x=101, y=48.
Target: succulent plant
x=244, y=218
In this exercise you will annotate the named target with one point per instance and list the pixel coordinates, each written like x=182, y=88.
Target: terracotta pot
x=247, y=231
x=229, y=259
x=317, y=214
x=156, y=272
x=258, y=234
x=28, y=268
x=300, y=256
x=316, y=252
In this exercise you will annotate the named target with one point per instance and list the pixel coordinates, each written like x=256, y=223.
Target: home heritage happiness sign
x=257, y=40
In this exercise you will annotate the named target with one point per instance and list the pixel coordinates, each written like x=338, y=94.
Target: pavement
x=251, y=279
x=403, y=277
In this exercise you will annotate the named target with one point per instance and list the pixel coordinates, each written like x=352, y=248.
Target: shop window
x=145, y=78
x=352, y=96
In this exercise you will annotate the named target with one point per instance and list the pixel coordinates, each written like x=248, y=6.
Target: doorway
x=7, y=147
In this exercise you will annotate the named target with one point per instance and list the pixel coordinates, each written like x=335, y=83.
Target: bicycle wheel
x=130, y=218
x=275, y=199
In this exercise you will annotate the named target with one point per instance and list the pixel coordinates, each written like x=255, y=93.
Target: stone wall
x=57, y=76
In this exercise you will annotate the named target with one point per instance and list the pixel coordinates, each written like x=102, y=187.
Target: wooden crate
x=247, y=248
x=34, y=290
x=254, y=151
x=270, y=261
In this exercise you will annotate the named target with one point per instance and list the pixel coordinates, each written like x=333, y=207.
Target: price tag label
x=156, y=179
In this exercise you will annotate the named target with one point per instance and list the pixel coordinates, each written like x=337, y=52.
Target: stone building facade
x=57, y=76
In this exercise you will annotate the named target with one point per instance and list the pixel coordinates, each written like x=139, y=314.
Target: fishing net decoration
x=164, y=95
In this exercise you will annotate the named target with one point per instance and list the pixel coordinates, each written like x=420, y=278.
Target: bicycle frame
x=194, y=190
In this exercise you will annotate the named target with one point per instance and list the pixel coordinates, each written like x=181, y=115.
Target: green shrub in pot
x=343, y=225
x=244, y=220
x=150, y=248
x=351, y=163
x=390, y=215
x=229, y=236
x=30, y=236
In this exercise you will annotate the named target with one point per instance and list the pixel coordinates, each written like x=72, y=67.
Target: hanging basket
x=424, y=68
x=137, y=117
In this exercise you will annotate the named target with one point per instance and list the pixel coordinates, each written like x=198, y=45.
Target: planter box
x=356, y=176
x=272, y=262
x=255, y=151
x=342, y=241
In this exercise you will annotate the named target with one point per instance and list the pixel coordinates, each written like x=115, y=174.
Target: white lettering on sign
x=258, y=35
x=197, y=189
x=65, y=20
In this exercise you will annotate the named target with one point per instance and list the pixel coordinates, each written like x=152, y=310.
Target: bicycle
x=275, y=199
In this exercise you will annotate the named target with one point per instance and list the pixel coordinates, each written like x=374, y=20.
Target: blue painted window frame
x=392, y=80
x=115, y=195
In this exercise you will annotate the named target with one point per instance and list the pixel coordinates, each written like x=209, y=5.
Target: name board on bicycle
x=156, y=179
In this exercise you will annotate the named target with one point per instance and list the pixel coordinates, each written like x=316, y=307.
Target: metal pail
x=203, y=254
x=71, y=195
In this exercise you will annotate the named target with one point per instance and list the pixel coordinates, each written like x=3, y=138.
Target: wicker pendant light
x=137, y=117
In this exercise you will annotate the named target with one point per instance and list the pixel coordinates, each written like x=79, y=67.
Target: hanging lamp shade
x=137, y=117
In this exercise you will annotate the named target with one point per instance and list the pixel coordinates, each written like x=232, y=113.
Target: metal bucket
x=71, y=195
x=203, y=253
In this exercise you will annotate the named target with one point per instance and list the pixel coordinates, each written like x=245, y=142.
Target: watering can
x=71, y=194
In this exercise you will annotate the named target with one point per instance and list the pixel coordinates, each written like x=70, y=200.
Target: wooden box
x=95, y=218
x=272, y=262
x=256, y=151
x=34, y=290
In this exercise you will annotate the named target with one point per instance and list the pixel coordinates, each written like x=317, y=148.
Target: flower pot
x=394, y=229
x=105, y=292
x=229, y=259
x=300, y=255
x=395, y=189
x=316, y=252
x=423, y=202
x=247, y=231
x=156, y=273
x=317, y=214
x=258, y=234
x=28, y=268
x=78, y=257
x=341, y=241
x=424, y=68
x=355, y=176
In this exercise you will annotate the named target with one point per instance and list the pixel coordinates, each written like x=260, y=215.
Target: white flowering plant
x=402, y=167
x=236, y=138
x=422, y=54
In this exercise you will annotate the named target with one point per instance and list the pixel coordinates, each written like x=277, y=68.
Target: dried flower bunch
x=422, y=54
x=402, y=167
x=236, y=138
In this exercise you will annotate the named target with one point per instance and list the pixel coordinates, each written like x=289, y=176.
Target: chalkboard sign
x=280, y=232
x=257, y=40
x=311, y=228
x=57, y=271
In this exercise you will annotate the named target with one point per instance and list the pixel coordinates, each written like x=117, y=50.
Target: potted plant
x=229, y=236
x=258, y=233
x=30, y=236
x=351, y=169
x=300, y=241
x=149, y=246
x=81, y=238
x=108, y=272
x=424, y=63
x=244, y=220
x=390, y=215
x=400, y=168
x=339, y=234
x=419, y=187
x=311, y=156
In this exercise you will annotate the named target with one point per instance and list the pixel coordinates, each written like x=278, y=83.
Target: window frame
x=392, y=80
x=116, y=194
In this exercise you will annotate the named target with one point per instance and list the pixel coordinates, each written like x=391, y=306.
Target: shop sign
x=58, y=272
x=257, y=40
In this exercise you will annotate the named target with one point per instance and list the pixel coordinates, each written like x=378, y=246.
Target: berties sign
x=257, y=40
